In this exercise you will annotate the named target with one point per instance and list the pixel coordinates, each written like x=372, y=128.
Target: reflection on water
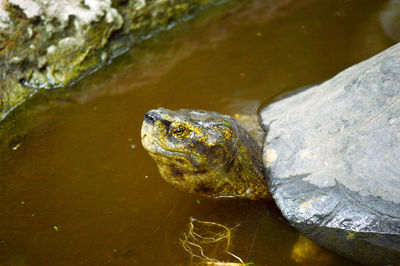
x=76, y=187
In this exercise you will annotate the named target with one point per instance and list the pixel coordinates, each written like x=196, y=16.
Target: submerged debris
x=16, y=147
x=204, y=238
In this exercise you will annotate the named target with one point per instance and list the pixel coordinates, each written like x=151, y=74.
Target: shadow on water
x=76, y=187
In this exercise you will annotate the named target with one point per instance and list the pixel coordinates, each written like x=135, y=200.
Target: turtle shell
x=332, y=155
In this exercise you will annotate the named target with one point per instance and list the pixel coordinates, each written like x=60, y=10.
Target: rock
x=336, y=170
x=49, y=44
x=30, y=8
x=4, y=18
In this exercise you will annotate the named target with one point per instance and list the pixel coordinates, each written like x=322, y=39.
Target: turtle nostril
x=150, y=117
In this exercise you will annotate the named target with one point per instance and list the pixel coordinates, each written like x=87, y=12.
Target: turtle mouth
x=178, y=158
x=160, y=150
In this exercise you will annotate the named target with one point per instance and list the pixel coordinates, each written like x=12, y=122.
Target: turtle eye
x=180, y=130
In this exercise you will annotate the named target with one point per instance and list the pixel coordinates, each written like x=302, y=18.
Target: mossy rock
x=46, y=45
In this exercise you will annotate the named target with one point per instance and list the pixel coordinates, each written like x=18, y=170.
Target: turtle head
x=204, y=152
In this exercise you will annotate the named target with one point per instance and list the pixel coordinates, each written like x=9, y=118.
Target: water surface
x=76, y=187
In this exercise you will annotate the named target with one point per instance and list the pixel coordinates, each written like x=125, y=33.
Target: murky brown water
x=78, y=188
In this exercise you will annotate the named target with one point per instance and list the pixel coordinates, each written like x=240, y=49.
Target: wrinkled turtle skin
x=205, y=152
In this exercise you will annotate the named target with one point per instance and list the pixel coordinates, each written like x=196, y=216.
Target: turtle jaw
x=183, y=170
x=154, y=140
x=207, y=160
x=149, y=141
x=150, y=131
x=177, y=167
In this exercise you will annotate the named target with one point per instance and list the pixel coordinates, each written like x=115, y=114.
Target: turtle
x=330, y=159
